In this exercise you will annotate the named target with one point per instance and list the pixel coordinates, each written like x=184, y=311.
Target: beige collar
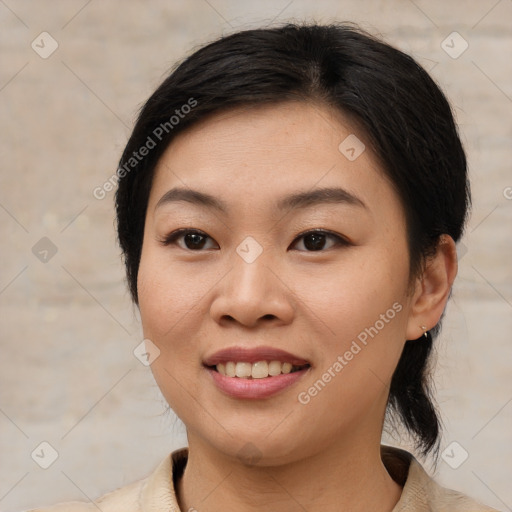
x=420, y=492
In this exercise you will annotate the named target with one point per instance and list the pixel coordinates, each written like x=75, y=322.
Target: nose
x=252, y=294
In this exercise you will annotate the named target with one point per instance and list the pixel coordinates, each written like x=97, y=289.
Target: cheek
x=363, y=312
x=168, y=304
x=351, y=295
x=166, y=295
x=167, y=308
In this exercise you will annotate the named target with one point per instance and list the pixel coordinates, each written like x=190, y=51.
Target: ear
x=432, y=288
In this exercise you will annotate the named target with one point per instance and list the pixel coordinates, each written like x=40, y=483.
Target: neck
x=338, y=478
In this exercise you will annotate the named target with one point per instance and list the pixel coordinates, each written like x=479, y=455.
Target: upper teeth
x=258, y=370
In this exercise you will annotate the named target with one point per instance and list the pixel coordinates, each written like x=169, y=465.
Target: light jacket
x=156, y=492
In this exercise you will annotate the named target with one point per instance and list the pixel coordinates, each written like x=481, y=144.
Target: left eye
x=317, y=240
x=192, y=239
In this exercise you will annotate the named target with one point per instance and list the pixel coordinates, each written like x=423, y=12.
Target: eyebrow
x=331, y=195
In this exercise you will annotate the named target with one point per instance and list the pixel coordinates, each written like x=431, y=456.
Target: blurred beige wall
x=68, y=376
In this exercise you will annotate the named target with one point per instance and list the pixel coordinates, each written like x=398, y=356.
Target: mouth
x=257, y=370
x=255, y=373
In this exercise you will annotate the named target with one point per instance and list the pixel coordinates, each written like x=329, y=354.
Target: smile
x=257, y=370
x=254, y=373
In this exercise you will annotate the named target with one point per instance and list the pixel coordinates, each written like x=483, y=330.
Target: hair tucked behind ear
x=410, y=394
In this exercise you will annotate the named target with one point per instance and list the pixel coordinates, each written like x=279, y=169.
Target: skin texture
x=323, y=455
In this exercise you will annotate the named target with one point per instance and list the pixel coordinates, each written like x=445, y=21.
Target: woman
x=288, y=207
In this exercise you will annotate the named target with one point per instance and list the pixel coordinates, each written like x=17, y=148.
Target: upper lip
x=253, y=355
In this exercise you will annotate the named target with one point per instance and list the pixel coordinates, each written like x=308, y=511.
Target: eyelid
x=340, y=239
x=172, y=237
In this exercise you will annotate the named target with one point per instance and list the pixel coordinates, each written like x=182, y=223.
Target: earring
x=424, y=328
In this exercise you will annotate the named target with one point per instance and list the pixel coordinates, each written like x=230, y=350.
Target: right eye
x=188, y=239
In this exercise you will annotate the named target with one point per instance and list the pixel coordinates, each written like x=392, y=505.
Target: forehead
x=252, y=155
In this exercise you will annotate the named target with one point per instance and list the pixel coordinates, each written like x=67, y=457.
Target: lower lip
x=255, y=388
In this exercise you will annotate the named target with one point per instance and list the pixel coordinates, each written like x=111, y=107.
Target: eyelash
x=173, y=237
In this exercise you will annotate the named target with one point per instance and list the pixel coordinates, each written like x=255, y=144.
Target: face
x=271, y=253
